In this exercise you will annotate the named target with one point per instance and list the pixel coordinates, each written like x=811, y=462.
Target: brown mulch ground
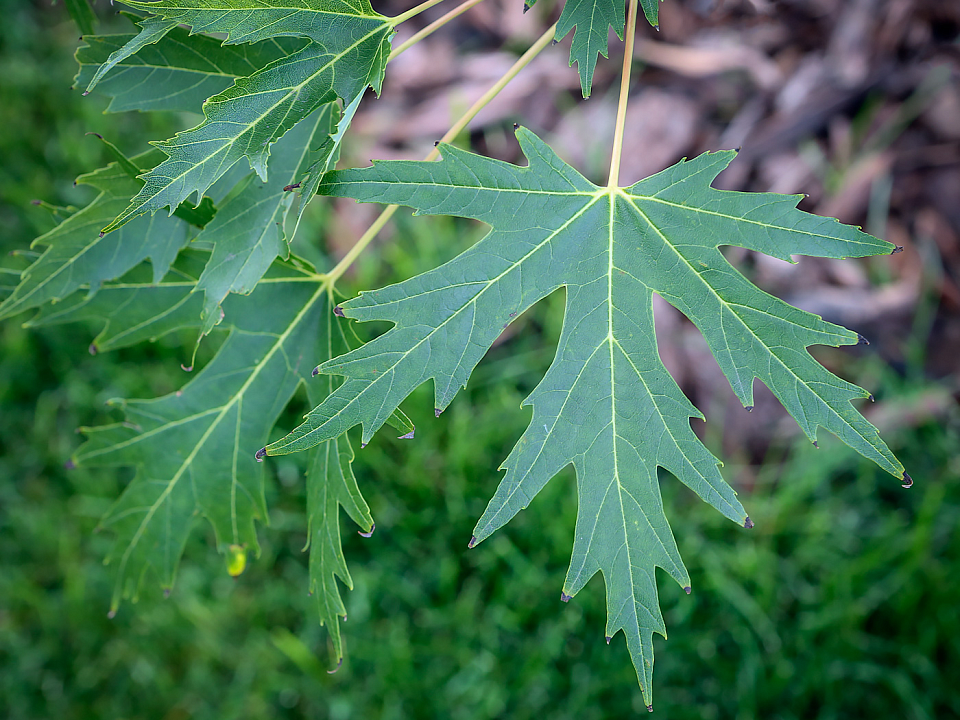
x=856, y=104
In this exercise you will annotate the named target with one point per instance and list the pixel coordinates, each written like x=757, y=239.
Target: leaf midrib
x=237, y=397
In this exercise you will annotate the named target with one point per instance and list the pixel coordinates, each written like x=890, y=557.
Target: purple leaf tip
x=261, y=454
x=112, y=614
x=748, y=523
x=861, y=340
x=367, y=534
x=608, y=639
x=102, y=233
x=339, y=663
x=436, y=412
x=288, y=188
x=408, y=436
x=564, y=597
x=69, y=465
x=316, y=371
x=907, y=481
x=815, y=445
x=186, y=368
x=472, y=544
x=898, y=249
x=687, y=589
x=338, y=311
x=748, y=408
x=92, y=349
x=650, y=707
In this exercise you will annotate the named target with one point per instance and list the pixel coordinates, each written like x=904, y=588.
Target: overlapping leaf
x=191, y=448
x=606, y=405
x=348, y=52
x=179, y=72
x=593, y=20
x=248, y=232
x=75, y=253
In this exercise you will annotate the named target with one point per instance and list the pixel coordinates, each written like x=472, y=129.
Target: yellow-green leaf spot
x=236, y=560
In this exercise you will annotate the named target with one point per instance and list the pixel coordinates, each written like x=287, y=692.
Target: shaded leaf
x=192, y=448
x=152, y=31
x=248, y=232
x=349, y=53
x=606, y=405
x=178, y=73
x=76, y=255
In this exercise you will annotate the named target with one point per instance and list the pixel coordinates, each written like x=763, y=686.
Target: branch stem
x=435, y=25
x=614, y=179
x=365, y=239
x=413, y=12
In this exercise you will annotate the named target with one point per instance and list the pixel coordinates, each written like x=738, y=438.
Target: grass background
x=841, y=603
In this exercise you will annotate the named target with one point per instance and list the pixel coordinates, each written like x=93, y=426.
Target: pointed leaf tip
x=112, y=614
x=186, y=368
x=861, y=340
x=564, y=597
x=338, y=311
x=408, y=436
x=687, y=589
x=436, y=412
x=748, y=408
x=316, y=371
x=907, y=481
x=898, y=249
x=361, y=533
x=288, y=188
x=650, y=707
x=261, y=454
x=339, y=663
x=608, y=639
x=472, y=544
x=69, y=464
x=748, y=523
x=92, y=349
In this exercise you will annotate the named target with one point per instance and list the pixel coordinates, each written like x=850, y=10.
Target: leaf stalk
x=614, y=178
x=432, y=27
x=413, y=12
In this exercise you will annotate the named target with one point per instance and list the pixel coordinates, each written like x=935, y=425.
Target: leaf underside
x=347, y=52
x=606, y=405
x=278, y=88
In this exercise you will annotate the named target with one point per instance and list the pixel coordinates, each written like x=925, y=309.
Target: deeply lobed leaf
x=606, y=405
x=348, y=53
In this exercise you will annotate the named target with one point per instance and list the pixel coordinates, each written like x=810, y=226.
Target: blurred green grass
x=841, y=603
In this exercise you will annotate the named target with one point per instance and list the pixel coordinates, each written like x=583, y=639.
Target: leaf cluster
x=278, y=83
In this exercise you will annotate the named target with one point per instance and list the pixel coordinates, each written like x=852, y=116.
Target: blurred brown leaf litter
x=855, y=104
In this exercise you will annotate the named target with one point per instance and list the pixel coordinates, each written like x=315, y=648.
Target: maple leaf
x=606, y=405
x=75, y=253
x=190, y=447
x=348, y=53
x=179, y=72
x=592, y=19
x=248, y=232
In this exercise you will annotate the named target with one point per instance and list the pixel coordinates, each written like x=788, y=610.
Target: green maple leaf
x=190, y=447
x=249, y=232
x=348, y=53
x=592, y=19
x=177, y=73
x=606, y=405
x=77, y=256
